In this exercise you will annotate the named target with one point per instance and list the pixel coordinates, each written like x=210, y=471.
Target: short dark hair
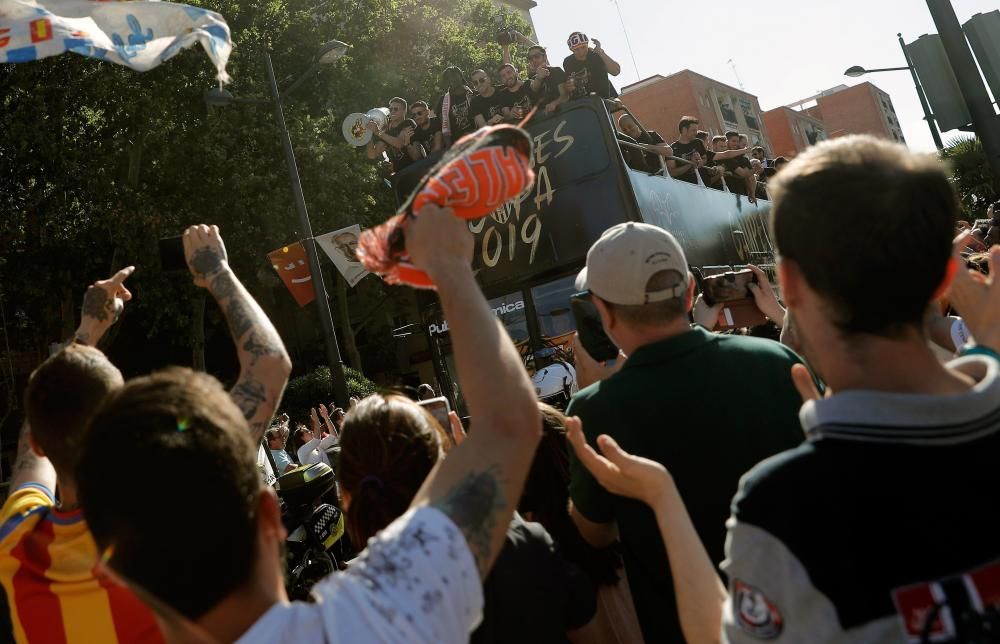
x=655, y=313
x=388, y=446
x=757, y=148
x=422, y=104
x=732, y=134
x=536, y=47
x=853, y=214
x=398, y=99
x=62, y=395
x=686, y=122
x=701, y=134
x=505, y=66
x=718, y=137
x=155, y=437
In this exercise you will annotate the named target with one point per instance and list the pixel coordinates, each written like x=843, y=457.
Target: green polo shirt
x=708, y=407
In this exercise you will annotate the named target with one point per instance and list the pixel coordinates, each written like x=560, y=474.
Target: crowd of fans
x=721, y=160
x=861, y=513
x=480, y=101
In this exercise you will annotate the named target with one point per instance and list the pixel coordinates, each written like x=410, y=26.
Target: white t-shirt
x=314, y=451
x=416, y=581
x=264, y=466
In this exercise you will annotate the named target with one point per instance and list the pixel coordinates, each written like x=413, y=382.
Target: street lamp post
x=329, y=53
x=856, y=71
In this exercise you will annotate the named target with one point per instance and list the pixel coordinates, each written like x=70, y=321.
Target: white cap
x=621, y=262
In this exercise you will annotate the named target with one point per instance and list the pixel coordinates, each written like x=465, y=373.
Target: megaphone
x=355, y=127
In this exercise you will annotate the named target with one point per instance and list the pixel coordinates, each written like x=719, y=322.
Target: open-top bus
x=528, y=253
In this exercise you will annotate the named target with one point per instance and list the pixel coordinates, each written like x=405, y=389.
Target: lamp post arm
x=888, y=69
x=306, y=75
x=322, y=303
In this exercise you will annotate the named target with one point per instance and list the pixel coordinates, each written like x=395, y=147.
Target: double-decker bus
x=528, y=252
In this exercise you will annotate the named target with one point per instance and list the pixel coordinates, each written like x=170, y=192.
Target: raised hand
x=205, y=253
x=589, y=370
x=437, y=240
x=705, y=315
x=618, y=471
x=764, y=297
x=804, y=383
x=103, y=304
x=976, y=297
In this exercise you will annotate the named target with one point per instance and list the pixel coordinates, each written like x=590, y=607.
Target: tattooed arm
x=264, y=363
x=103, y=303
x=480, y=483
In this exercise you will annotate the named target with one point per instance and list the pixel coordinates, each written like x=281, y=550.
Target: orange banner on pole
x=292, y=266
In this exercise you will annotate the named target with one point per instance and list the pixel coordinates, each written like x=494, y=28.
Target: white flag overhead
x=342, y=247
x=140, y=34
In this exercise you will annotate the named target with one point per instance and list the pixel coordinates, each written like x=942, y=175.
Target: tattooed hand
x=103, y=303
x=205, y=253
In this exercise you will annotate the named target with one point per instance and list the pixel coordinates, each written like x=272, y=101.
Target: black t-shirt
x=533, y=594
x=684, y=149
x=460, y=115
x=680, y=149
x=652, y=161
x=519, y=97
x=736, y=184
x=737, y=162
x=633, y=158
x=399, y=157
x=590, y=74
x=549, y=91
x=426, y=137
x=488, y=106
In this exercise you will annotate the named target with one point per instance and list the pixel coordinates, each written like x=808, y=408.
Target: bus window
x=555, y=321
x=511, y=311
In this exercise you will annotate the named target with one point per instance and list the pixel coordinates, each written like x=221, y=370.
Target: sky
x=783, y=50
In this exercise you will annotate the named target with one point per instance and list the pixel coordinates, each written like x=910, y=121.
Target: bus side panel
x=713, y=227
x=579, y=192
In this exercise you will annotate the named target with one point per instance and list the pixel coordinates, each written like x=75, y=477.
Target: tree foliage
x=308, y=391
x=971, y=174
x=98, y=162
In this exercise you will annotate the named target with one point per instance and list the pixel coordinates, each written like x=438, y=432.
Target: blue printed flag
x=138, y=33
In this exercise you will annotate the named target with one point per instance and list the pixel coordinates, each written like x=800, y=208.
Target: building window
x=748, y=115
x=728, y=114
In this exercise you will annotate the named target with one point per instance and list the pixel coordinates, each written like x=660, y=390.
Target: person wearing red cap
x=590, y=67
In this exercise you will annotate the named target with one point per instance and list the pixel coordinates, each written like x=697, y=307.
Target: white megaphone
x=355, y=127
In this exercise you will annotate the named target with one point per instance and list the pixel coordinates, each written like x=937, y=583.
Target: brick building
x=861, y=109
x=792, y=131
x=659, y=102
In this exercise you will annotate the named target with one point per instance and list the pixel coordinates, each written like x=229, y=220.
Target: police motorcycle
x=315, y=525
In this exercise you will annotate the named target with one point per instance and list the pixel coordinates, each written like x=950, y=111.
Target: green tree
x=971, y=175
x=98, y=162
